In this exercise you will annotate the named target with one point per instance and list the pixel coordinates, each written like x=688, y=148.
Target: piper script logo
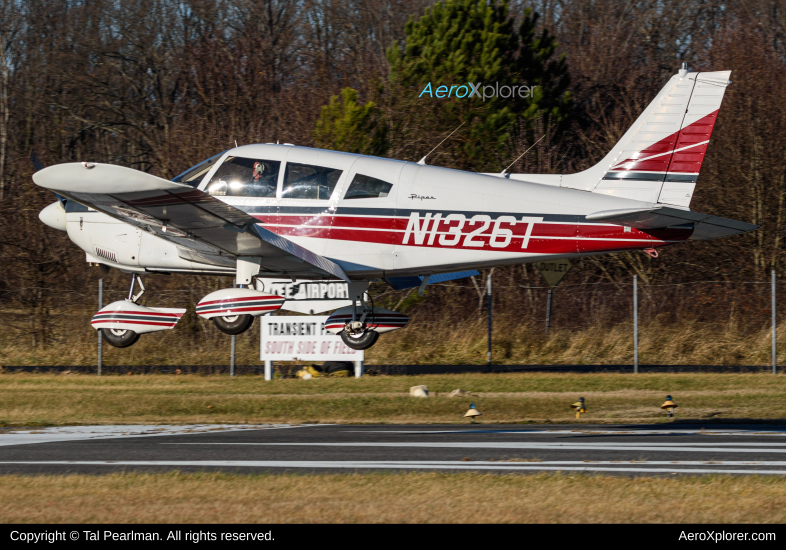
x=475, y=90
x=449, y=231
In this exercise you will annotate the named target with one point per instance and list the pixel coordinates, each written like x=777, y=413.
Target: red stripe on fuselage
x=545, y=238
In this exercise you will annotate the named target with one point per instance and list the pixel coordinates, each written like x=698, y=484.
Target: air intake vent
x=107, y=255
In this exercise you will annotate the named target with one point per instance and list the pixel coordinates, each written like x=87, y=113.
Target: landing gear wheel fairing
x=361, y=341
x=119, y=338
x=233, y=324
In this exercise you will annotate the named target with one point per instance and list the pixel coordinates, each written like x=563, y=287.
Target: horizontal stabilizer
x=705, y=226
x=400, y=283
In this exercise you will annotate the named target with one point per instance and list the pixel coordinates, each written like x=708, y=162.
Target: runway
x=620, y=450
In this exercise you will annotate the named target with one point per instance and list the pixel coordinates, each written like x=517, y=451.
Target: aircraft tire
x=235, y=324
x=119, y=338
x=364, y=341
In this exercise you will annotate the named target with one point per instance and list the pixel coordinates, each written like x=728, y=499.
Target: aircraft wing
x=705, y=226
x=192, y=219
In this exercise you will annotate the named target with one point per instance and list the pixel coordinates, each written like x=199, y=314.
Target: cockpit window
x=366, y=187
x=194, y=175
x=244, y=177
x=305, y=181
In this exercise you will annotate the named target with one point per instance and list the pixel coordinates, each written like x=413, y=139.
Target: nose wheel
x=122, y=338
x=233, y=324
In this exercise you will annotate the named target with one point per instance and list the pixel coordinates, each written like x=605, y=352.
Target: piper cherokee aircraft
x=268, y=210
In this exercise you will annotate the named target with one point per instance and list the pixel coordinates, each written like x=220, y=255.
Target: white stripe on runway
x=588, y=431
x=422, y=465
x=26, y=436
x=677, y=447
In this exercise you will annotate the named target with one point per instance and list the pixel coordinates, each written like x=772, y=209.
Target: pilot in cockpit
x=245, y=177
x=263, y=181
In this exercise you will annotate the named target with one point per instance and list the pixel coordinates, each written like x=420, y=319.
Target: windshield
x=245, y=177
x=194, y=175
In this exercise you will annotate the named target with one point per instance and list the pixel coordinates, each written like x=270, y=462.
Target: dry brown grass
x=689, y=343
x=462, y=342
x=390, y=498
x=47, y=399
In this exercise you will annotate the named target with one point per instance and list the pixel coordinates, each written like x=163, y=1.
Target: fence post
x=268, y=362
x=488, y=291
x=774, y=325
x=100, y=337
x=232, y=358
x=548, y=310
x=635, y=324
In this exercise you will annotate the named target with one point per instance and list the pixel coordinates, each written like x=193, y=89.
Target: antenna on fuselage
x=502, y=174
x=235, y=143
x=422, y=161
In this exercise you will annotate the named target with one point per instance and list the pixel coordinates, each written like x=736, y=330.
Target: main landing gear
x=233, y=324
x=233, y=309
x=359, y=339
x=359, y=332
x=119, y=338
x=360, y=324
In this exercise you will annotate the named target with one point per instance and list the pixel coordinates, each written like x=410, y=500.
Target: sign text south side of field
x=300, y=338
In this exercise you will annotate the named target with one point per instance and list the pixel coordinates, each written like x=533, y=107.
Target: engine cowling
x=238, y=301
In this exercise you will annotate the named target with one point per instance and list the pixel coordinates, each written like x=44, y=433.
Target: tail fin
x=667, y=144
x=659, y=158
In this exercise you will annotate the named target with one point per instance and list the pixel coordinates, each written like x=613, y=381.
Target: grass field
x=390, y=498
x=462, y=341
x=68, y=399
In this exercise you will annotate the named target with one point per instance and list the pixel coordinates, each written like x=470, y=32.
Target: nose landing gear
x=123, y=337
x=122, y=322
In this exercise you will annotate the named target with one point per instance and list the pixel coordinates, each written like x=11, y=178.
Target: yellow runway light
x=579, y=407
x=669, y=406
x=472, y=412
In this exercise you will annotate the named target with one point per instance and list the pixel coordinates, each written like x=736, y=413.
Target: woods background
x=158, y=86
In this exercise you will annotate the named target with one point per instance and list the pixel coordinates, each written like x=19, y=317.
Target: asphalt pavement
x=622, y=450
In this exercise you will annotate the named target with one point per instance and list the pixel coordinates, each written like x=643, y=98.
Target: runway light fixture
x=579, y=407
x=669, y=406
x=472, y=412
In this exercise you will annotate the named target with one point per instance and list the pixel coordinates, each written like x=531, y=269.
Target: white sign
x=307, y=296
x=300, y=338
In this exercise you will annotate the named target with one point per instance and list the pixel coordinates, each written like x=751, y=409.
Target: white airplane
x=280, y=211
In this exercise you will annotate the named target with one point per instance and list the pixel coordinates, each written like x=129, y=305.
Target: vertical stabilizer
x=659, y=158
